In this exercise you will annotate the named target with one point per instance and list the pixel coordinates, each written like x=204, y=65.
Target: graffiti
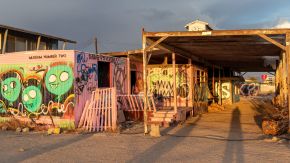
x=32, y=98
x=86, y=73
x=59, y=79
x=161, y=82
x=250, y=89
x=82, y=58
x=27, y=92
x=119, y=77
x=226, y=94
x=11, y=86
x=104, y=58
x=199, y=92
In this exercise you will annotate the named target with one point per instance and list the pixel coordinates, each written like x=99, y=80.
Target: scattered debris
x=21, y=149
x=18, y=129
x=214, y=107
x=4, y=128
x=26, y=129
x=55, y=130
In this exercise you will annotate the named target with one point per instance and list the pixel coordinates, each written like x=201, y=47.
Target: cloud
x=283, y=24
x=118, y=23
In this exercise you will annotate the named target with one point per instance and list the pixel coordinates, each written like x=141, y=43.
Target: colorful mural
x=37, y=84
x=52, y=86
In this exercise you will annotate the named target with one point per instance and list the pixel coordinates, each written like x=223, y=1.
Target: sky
x=117, y=23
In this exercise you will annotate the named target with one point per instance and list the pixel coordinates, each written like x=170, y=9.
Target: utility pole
x=96, y=44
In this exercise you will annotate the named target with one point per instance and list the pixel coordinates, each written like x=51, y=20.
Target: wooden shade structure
x=239, y=50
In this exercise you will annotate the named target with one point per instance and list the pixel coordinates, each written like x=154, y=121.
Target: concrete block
x=155, y=130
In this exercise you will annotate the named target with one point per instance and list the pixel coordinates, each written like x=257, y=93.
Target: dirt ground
x=233, y=135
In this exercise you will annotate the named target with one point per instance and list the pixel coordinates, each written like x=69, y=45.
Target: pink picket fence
x=100, y=112
x=134, y=103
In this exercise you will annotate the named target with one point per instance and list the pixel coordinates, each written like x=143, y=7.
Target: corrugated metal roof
x=36, y=33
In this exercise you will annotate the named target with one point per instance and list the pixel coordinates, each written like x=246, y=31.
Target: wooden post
x=38, y=42
x=220, y=87
x=129, y=75
x=96, y=45
x=213, y=87
x=288, y=75
x=174, y=82
x=63, y=45
x=5, y=41
x=190, y=82
x=145, y=83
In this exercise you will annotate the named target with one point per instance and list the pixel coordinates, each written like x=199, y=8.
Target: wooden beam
x=272, y=41
x=129, y=75
x=288, y=75
x=178, y=51
x=220, y=88
x=5, y=41
x=174, y=82
x=155, y=43
x=145, y=84
x=1, y=41
x=217, y=32
x=213, y=86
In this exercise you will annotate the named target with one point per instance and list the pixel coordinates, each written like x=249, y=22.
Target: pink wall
x=86, y=77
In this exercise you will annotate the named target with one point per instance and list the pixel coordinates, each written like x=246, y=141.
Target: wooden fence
x=135, y=103
x=100, y=112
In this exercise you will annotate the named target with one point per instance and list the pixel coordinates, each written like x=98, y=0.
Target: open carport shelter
x=249, y=50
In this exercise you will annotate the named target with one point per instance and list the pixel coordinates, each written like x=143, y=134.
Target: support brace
x=273, y=41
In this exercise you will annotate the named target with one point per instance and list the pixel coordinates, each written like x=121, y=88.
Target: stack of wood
x=214, y=107
x=277, y=123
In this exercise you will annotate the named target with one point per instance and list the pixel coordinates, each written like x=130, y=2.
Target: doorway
x=103, y=74
x=133, y=81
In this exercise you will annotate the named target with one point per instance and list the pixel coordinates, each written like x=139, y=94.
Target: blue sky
x=118, y=23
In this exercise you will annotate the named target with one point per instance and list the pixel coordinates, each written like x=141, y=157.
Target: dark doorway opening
x=133, y=81
x=103, y=74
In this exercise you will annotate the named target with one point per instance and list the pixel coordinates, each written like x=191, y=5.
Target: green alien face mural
x=32, y=98
x=59, y=79
x=10, y=89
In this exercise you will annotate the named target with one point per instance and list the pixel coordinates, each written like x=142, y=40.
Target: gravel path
x=232, y=135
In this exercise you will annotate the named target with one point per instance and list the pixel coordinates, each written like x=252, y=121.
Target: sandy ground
x=228, y=136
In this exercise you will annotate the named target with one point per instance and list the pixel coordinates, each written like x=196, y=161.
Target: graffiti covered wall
x=87, y=70
x=38, y=83
x=160, y=79
x=230, y=92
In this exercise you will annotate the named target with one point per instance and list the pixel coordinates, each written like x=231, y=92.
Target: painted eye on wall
x=12, y=84
x=32, y=93
x=5, y=87
x=52, y=78
x=25, y=98
x=64, y=76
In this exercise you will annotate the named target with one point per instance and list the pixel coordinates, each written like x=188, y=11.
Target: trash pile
x=276, y=123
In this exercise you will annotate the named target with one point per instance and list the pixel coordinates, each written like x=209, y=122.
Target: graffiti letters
x=250, y=89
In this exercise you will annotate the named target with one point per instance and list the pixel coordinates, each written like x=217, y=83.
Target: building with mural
x=52, y=86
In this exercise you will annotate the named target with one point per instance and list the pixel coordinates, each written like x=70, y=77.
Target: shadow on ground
x=234, y=149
